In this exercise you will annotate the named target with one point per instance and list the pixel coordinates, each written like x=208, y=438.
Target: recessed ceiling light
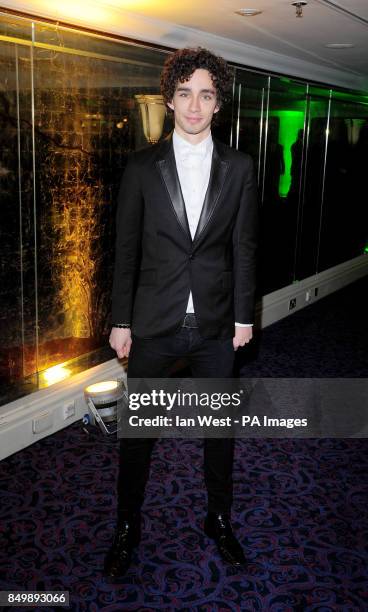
x=340, y=45
x=248, y=12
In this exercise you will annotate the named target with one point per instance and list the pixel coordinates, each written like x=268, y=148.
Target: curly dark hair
x=180, y=66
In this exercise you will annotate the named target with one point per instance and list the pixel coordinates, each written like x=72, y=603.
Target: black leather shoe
x=218, y=527
x=127, y=536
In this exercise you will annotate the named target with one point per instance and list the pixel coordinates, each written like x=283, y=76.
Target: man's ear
x=170, y=105
x=217, y=108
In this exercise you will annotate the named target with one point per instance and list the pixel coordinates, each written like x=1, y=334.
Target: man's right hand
x=121, y=341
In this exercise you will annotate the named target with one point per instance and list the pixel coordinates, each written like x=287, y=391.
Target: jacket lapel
x=169, y=173
x=219, y=170
x=167, y=168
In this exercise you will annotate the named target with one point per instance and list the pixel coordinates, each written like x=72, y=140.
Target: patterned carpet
x=300, y=511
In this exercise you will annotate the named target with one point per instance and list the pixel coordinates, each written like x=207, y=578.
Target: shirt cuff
x=243, y=324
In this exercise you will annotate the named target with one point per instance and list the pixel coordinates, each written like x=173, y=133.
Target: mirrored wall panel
x=87, y=118
x=282, y=182
x=18, y=287
x=344, y=212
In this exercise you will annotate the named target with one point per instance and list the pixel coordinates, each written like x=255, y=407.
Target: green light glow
x=290, y=123
x=366, y=249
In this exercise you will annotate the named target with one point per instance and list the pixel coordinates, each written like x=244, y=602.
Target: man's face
x=194, y=104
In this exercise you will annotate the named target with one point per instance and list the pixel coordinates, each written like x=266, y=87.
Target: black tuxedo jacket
x=158, y=263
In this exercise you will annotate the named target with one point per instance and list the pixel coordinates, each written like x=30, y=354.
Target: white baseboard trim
x=47, y=405
x=276, y=305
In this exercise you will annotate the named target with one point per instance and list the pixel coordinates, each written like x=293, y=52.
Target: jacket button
x=191, y=256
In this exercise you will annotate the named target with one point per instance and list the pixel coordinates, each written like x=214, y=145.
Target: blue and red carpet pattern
x=300, y=511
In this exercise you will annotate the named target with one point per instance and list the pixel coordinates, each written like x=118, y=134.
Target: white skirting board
x=45, y=410
x=276, y=305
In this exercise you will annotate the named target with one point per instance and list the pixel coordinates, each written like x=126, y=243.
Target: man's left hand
x=243, y=335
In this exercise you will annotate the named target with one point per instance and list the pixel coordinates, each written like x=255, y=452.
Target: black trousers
x=153, y=358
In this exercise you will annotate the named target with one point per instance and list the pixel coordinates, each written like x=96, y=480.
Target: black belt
x=189, y=320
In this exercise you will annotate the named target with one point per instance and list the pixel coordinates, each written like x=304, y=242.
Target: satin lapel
x=169, y=173
x=219, y=170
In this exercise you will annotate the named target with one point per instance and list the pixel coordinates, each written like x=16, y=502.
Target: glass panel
x=17, y=293
x=344, y=214
x=15, y=27
x=87, y=119
x=222, y=122
x=282, y=183
x=248, y=124
x=313, y=184
x=68, y=40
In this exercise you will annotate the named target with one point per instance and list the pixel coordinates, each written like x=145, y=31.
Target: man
x=184, y=277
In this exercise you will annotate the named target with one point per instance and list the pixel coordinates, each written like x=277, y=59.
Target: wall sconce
x=153, y=112
x=102, y=399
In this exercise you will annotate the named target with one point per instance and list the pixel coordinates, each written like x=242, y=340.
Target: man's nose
x=194, y=103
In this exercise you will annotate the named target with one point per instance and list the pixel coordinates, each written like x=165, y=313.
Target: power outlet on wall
x=68, y=410
x=292, y=304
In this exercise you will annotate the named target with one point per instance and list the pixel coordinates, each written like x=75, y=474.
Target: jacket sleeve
x=128, y=244
x=245, y=235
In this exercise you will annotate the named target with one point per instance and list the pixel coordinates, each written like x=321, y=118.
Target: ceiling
x=277, y=28
x=274, y=38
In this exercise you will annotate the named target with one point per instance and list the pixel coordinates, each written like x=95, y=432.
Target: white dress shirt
x=193, y=163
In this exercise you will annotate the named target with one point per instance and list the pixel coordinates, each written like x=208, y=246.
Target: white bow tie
x=190, y=157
